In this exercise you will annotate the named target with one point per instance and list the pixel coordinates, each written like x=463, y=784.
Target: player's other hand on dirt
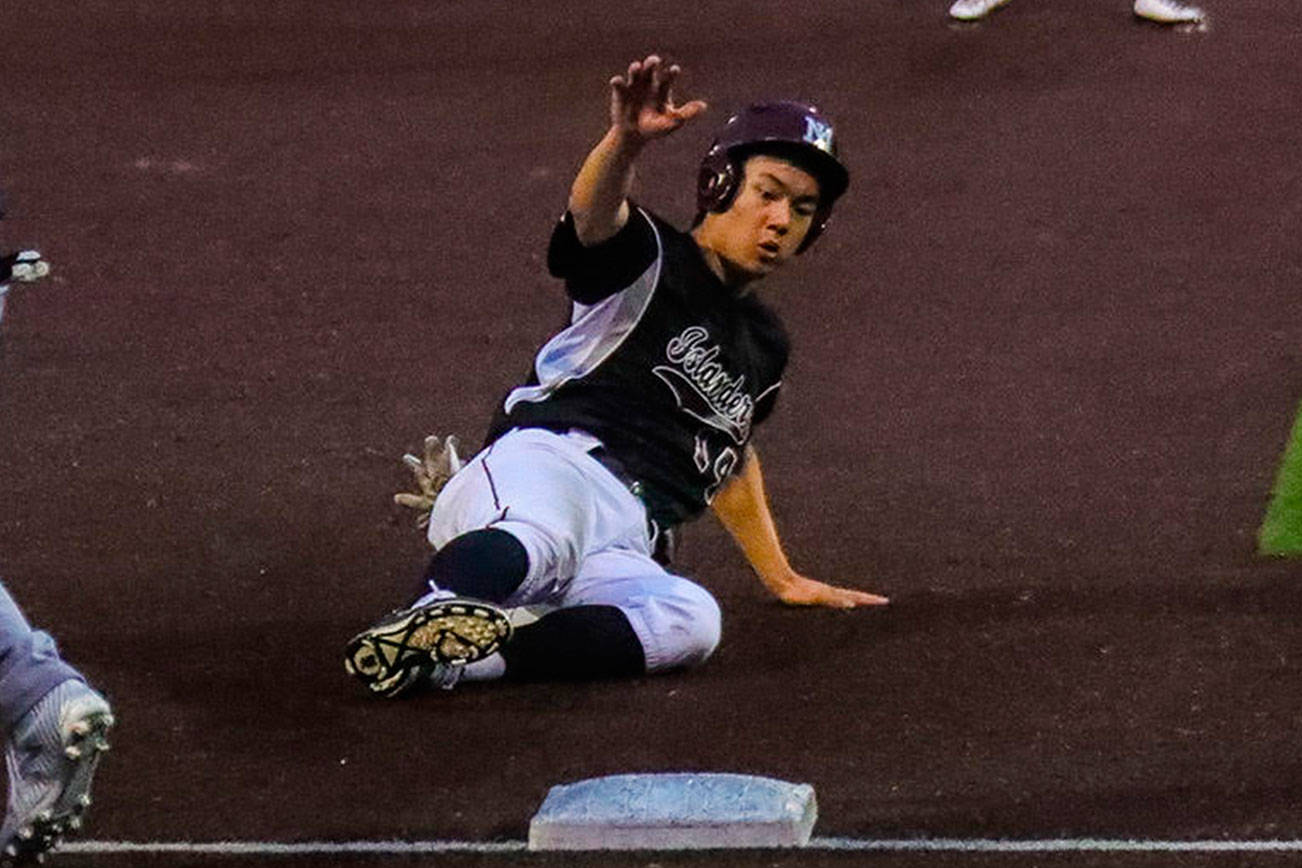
x=642, y=102
x=797, y=590
x=432, y=471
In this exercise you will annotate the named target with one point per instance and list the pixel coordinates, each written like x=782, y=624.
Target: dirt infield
x=1046, y=360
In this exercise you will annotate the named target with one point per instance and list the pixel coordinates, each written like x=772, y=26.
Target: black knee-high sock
x=485, y=564
x=575, y=644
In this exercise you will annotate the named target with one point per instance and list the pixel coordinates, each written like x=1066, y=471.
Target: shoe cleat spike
x=72, y=752
x=26, y=833
x=74, y=823
x=81, y=727
x=84, y=800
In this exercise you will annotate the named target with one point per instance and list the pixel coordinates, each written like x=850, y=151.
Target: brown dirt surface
x=1046, y=359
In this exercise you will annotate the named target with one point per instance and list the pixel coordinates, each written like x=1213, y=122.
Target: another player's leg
x=56, y=729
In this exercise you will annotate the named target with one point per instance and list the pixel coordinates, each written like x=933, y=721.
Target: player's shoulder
x=675, y=244
x=657, y=221
x=769, y=327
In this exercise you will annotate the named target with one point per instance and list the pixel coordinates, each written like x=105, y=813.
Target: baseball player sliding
x=638, y=416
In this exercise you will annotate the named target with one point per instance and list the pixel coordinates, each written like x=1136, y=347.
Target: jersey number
x=719, y=465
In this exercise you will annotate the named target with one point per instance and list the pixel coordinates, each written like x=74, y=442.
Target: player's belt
x=662, y=538
x=617, y=470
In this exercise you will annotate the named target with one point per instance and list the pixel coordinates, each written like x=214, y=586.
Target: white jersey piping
x=595, y=331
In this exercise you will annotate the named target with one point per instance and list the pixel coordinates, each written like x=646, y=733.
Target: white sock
x=434, y=595
x=490, y=668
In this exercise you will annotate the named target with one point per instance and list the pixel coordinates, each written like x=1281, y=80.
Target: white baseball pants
x=586, y=536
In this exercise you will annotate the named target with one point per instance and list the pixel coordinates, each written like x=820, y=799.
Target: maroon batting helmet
x=795, y=131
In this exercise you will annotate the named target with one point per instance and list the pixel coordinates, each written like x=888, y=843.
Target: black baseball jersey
x=666, y=365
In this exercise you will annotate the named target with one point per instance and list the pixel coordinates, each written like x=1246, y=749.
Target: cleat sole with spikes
x=52, y=759
x=401, y=650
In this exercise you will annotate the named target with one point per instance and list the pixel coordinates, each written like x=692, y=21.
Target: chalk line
x=934, y=845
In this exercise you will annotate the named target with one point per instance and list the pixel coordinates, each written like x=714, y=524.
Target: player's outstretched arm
x=742, y=507
x=642, y=109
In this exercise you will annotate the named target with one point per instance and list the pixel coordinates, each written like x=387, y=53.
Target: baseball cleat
x=974, y=10
x=1168, y=11
x=51, y=756
x=25, y=266
x=428, y=642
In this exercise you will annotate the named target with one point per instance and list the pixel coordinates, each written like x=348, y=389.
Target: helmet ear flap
x=717, y=181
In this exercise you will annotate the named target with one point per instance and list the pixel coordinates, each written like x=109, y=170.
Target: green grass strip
x=1281, y=532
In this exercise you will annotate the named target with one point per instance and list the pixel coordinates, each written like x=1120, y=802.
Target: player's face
x=769, y=218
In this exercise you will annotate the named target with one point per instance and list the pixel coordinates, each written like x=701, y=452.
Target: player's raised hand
x=642, y=102
x=801, y=591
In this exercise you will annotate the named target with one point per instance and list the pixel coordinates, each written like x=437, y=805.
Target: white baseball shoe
x=51, y=756
x=1168, y=11
x=974, y=10
x=25, y=266
x=426, y=644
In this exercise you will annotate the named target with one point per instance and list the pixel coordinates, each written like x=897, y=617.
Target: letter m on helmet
x=819, y=134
